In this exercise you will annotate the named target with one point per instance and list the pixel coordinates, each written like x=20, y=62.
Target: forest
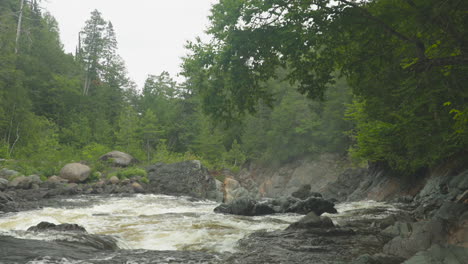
x=374, y=81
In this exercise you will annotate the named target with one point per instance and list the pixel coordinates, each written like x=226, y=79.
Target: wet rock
x=187, y=178
x=46, y=226
x=440, y=254
x=415, y=237
x=119, y=159
x=75, y=172
x=313, y=245
x=244, y=206
x=311, y=220
x=312, y=204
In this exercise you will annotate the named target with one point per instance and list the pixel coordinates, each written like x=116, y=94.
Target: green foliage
x=132, y=172
x=402, y=59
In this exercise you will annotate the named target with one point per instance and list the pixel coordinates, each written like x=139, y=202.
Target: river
x=158, y=222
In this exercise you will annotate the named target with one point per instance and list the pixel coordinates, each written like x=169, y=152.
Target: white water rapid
x=158, y=222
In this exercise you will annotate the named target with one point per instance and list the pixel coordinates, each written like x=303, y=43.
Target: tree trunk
x=18, y=29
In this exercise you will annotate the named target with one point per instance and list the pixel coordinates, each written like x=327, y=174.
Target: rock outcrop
x=188, y=178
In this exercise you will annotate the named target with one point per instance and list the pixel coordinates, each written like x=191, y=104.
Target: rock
x=312, y=204
x=463, y=198
x=377, y=259
x=56, y=179
x=218, y=194
x=415, y=237
x=114, y=180
x=119, y=159
x=244, y=206
x=75, y=172
x=440, y=254
x=233, y=190
x=3, y=184
x=6, y=173
x=451, y=211
x=303, y=192
x=36, y=179
x=137, y=187
x=46, y=226
x=21, y=182
x=311, y=220
x=188, y=178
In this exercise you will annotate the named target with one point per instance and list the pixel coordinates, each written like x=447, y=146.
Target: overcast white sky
x=151, y=33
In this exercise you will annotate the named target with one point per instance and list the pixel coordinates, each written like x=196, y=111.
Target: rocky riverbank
x=433, y=230
x=430, y=227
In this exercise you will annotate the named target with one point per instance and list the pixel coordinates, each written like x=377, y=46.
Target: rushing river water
x=158, y=222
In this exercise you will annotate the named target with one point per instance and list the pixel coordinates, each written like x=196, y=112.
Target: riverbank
x=430, y=225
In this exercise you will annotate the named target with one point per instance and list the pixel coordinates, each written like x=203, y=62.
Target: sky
x=151, y=34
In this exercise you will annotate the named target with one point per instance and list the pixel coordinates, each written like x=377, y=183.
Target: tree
x=403, y=60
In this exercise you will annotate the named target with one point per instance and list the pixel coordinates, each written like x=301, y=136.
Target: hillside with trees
x=379, y=81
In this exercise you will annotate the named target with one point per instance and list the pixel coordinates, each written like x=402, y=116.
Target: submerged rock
x=46, y=226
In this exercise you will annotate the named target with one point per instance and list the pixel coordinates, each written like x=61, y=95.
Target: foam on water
x=154, y=222
x=158, y=222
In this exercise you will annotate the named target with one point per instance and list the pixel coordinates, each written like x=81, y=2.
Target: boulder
x=6, y=173
x=3, y=184
x=22, y=182
x=137, y=187
x=114, y=180
x=119, y=159
x=188, y=178
x=244, y=206
x=233, y=190
x=311, y=220
x=75, y=172
x=440, y=254
x=312, y=204
x=56, y=179
x=414, y=237
x=46, y=226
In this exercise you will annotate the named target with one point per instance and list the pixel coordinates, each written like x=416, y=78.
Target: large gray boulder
x=75, y=172
x=188, y=178
x=119, y=159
